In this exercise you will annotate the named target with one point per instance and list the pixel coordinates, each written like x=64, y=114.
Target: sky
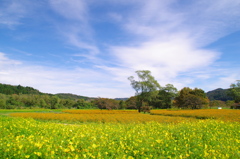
x=91, y=47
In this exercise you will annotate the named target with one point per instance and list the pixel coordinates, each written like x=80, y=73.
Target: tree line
x=149, y=94
x=18, y=101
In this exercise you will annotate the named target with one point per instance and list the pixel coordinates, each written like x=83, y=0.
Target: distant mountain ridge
x=219, y=94
x=72, y=96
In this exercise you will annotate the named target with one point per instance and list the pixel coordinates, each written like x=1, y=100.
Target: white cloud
x=170, y=40
x=4, y=61
x=75, y=28
x=74, y=9
x=204, y=21
x=166, y=59
x=167, y=37
x=86, y=82
x=11, y=12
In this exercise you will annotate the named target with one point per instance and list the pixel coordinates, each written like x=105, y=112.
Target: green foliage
x=82, y=104
x=165, y=97
x=2, y=101
x=12, y=97
x=9, y=89
x=191, y=99
x=230, y=103
x=146, y=87
x=2, y=104
x=122, y=104
x=217, y=103
x=41, y=101
x=235, y=91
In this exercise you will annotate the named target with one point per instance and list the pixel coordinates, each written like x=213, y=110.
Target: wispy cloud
x=168, y=37
x=80, y=81
x=76, y=28
x=4, y=61
x=74, y=9
x=11, y=12
x=170, y=41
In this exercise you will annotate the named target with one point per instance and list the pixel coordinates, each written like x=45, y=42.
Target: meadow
x=118, y=134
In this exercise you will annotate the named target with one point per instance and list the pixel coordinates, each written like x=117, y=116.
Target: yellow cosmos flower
x=38, y=153
x=94, y=145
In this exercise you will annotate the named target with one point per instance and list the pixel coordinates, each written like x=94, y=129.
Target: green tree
x=166, y=95
x=230, y=103
x=83, y=104
x=67, y=103
x=3, y=99
x=122, y=104
x=217, y=103
x=234, y=91
x=191, y=98
x=146, y=87
x=54, y=102
x=42, y=103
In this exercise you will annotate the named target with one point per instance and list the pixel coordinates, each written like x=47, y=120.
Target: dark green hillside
x=219, y=94
x=10, y=89
x=71, y=96
x=19, y=97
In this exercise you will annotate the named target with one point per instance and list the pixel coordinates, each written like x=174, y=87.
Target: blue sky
x=91, y=47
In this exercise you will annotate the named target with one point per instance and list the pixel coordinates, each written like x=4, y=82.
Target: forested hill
x=219, y=94
x=71, y=96
x=10, y=89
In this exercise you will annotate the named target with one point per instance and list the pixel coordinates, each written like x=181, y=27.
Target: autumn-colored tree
x=131, y=103
x=191, y=98
x=106, y=103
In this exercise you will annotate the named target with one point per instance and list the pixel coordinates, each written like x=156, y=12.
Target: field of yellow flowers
x=101, y=111
x=119, y=134
x=103, y=118
x=28, y=138
x=220, y=114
